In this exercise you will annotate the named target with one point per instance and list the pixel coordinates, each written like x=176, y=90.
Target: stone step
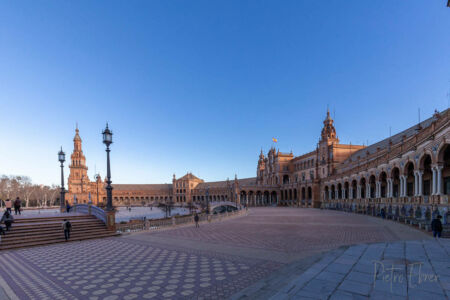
x=29, y=232
x=52, y=224
x=10, y=236
x=27, y=227
x=50, y=228
x=58, y=218
x=105, y=234
x=56, y=235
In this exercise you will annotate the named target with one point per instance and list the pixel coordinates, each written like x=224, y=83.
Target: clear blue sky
x=201, y=86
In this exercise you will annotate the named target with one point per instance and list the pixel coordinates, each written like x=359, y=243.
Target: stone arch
x=410, y=179
x=354, y=188
x=444, y=162
x=372, y=181
x=422, y=156
x=274, y=197
x=251, y=197
x=258, y=197
x=362, y=183
x=383, y=184
x=347, y=189
x=425, y=166
x=339, y=190
x=309, y=193
x=440, y=152
x=395, y=176
x=406, y=166
x=243, y=195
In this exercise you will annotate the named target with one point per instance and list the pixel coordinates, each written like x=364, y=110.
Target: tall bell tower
x=78, y=181
x=328, y=139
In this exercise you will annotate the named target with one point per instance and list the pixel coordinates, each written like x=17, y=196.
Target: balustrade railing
x=89, y=209
x=140, y=225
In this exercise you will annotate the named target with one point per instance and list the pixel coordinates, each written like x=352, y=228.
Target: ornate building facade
x=404, y=174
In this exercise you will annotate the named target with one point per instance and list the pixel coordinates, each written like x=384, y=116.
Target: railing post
x=174, y=222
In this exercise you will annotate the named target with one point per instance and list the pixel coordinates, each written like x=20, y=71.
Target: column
x=420, y=185
x=401, y=185
x=343, y=193
x=390, y=187
x=405, y=185
x=329, y=194
x=416, y=181
x=350, y=192
x=377, y=190
x=439, y=180
x=358, y=191
x=433, y=181
x=368, y=191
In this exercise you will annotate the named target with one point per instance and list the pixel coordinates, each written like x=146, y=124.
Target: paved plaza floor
x=258, y=256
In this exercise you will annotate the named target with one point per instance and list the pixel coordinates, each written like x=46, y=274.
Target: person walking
x=17, y=205
x=436, y=226
x=7, y=219
x=8, y=205
x=196, y=219
x=67, y=227
x=68, y=207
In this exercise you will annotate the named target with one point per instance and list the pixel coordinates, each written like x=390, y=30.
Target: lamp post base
x=111, y=220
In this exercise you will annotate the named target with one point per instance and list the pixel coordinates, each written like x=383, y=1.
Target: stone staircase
x=28, y=232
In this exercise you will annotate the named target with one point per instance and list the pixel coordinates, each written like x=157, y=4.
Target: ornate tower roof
x=261, y=155
x=328, y=130
x=77, y=140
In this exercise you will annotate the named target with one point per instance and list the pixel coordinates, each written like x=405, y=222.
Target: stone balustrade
x=158, y=224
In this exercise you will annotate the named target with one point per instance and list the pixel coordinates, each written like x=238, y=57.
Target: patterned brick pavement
x=295, y=230
x=215, y=261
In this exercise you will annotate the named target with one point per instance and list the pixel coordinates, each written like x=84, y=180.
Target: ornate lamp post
x=62, y=159
x=97, y=177
x=207, y=199
x=107, y=140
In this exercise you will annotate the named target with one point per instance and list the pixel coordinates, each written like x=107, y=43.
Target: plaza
x=271, y=252
x=209, y=150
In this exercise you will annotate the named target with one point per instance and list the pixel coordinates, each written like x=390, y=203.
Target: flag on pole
x=274, y=140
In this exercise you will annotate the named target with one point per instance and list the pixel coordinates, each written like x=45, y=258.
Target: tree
x=32, y=194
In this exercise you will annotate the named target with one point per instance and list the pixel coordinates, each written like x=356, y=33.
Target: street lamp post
x=207, y=200
x=107, y=140
x=97, y=177
x=62, y=159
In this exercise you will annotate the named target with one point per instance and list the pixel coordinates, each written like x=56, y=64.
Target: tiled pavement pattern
x=119, y=269
x=216, y=261
x=399, y=270
x=289, y=230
